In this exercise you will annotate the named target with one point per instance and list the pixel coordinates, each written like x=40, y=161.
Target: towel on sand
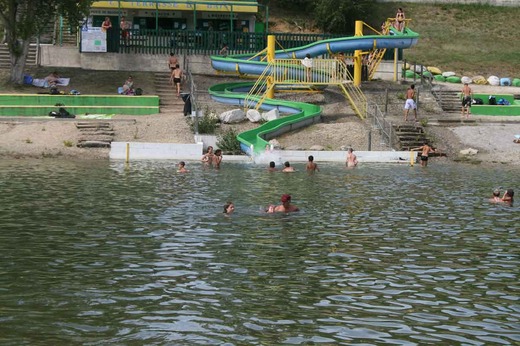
x=42, y=83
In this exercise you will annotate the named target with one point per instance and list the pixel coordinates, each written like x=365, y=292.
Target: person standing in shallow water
x=425, y=150
x=288, y=168
x=351, y=158
x=311, y=165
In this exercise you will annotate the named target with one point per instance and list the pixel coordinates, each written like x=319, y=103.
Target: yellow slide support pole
x=357, y=55
x=412, y=158
x=396, y=55
x=270, y=58
x=127, y=153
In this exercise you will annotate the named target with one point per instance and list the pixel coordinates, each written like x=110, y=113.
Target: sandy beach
x=48, y=137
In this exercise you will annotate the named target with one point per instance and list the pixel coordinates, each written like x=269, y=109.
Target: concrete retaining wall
x=155, y=151
x=193, y=152
x=198, y=64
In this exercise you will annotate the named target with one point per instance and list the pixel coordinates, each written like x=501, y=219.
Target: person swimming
x=285, y=207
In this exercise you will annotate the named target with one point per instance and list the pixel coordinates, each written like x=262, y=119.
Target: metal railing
x=385, y=128
x=151, y=41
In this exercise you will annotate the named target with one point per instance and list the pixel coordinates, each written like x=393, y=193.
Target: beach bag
x=503, y=102
x=27, y=80
x=492, y=100
x=138, y=91
x=494, y=80
x=505, y=82
x=477, y=101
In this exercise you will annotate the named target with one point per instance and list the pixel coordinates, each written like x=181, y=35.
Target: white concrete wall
x=155, y=151
x=511, y=3
x=280, y=156
x=176, y=151
x=59, y=56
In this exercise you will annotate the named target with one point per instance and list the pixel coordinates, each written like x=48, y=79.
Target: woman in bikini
x=399, y=19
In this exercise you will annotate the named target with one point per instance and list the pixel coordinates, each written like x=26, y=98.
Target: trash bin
x=187, y=103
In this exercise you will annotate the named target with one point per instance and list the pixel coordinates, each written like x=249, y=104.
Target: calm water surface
x=97, y=253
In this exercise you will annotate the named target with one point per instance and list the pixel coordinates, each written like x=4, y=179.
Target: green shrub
x=228, y=142
x=207, y=124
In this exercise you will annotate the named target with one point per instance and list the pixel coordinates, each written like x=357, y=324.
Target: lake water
x=98, y=253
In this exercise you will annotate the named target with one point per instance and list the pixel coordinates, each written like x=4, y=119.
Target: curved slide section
x=301, y=114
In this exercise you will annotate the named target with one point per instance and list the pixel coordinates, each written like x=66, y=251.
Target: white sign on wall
x=93, y=40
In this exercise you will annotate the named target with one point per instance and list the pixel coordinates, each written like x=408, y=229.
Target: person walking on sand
x=176, y=78
x=466, y=100
x=311, y=165
x=285, y=207
x=425, y=150
x=351, y=158
x=410, y=102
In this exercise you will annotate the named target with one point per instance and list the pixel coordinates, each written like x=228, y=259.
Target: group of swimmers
x=506, y=198
x=284, y=207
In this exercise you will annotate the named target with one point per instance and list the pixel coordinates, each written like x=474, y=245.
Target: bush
x=207, y=124
x=228, y=142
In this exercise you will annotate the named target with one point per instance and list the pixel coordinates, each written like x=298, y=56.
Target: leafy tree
x=24, y=20
x=339, y=16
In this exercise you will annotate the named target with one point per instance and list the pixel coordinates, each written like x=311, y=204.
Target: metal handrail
x=385, y=127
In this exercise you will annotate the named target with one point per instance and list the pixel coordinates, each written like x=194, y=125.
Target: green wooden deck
x=41, y=105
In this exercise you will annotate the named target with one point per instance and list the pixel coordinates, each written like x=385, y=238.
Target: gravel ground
x=340, y=128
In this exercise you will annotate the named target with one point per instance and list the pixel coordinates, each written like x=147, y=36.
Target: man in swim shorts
x=176, y=78
x=466, y=100
x=410, y=102
x=425, y=149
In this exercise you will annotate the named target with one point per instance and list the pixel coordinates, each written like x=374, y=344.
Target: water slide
x=300, y=114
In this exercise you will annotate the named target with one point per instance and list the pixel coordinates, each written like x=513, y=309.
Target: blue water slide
x=300, y=114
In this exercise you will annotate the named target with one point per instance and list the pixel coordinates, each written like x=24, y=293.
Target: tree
x=339, y=17
x=24, y=20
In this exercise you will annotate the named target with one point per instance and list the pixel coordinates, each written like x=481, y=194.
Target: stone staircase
x=5, y=61
x=95, y=134
x=449, y=100
x=168, y=100
x=410, y=136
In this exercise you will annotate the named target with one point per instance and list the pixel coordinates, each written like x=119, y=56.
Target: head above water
x=272, y=164
x=229, y=207
x=510, y=192
x=311, y=158
x=286, y=198
x=287, y=164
